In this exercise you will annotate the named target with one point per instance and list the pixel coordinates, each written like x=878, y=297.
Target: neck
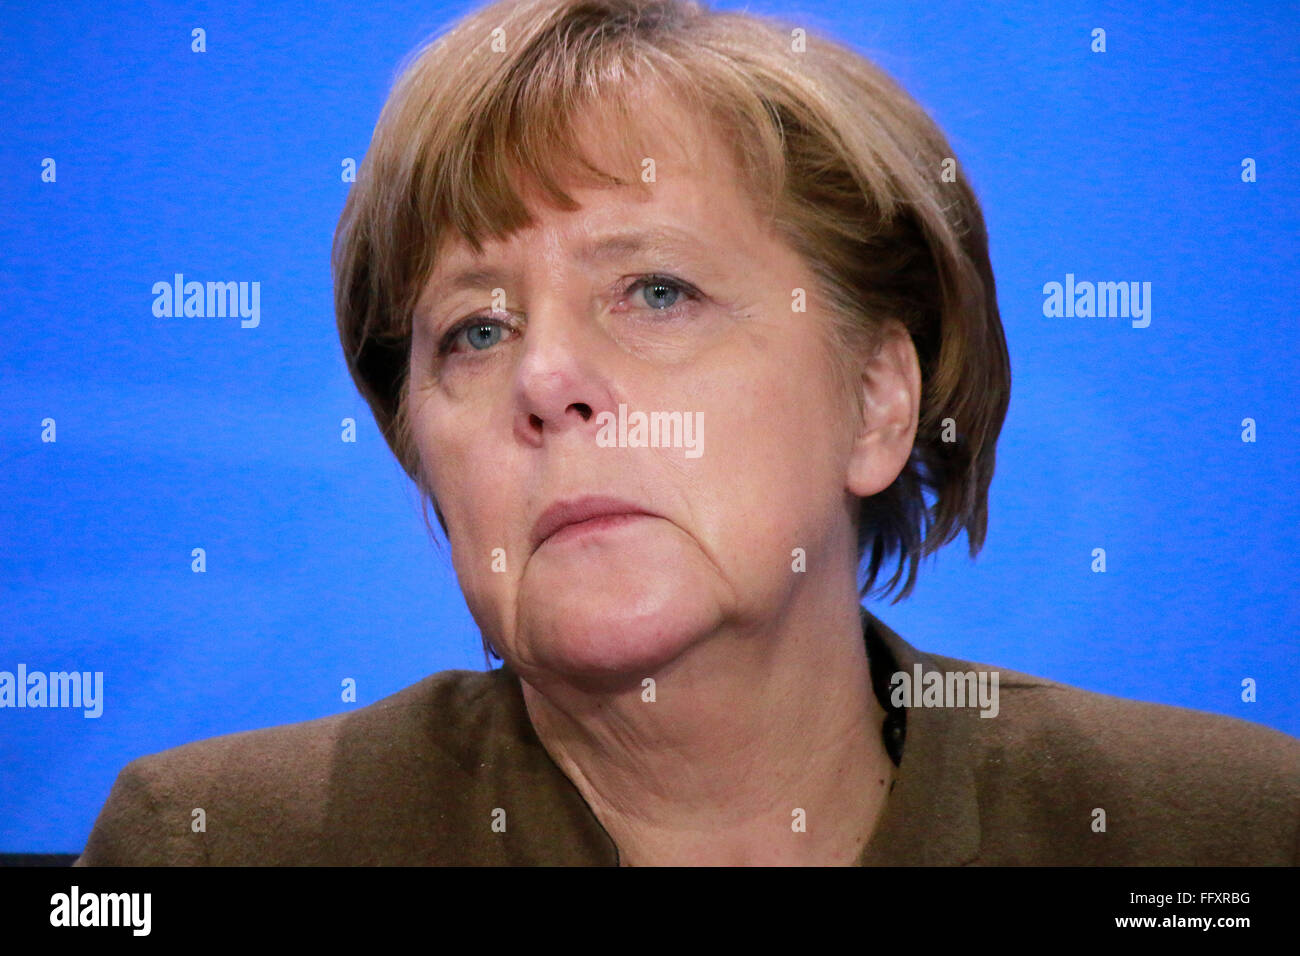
x=762, y=746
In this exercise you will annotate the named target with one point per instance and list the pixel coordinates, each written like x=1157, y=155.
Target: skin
x=763, y=699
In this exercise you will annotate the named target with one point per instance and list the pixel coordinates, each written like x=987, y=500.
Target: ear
x=891, y=402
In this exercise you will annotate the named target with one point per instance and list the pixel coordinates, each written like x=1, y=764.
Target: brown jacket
x=415, y=778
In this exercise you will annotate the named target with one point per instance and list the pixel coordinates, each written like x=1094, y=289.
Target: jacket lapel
x=931, y=816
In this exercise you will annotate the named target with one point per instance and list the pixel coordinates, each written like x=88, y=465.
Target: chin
x=616, y=622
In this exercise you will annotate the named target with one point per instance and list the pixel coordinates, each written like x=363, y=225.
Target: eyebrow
x=606, y=249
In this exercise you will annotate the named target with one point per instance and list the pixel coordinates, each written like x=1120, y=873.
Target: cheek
x=477, y=510
x=451, y=449
x=769, y=466
x=484, y=557
x=482, y=513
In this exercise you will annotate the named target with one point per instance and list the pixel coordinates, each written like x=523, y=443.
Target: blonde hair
x=849, y=168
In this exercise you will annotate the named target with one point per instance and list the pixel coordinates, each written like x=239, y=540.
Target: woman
x=673, y=316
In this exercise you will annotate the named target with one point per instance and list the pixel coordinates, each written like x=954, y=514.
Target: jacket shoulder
x=1121, y=781
x=270, y=795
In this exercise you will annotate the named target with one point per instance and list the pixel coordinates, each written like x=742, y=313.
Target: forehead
x=675, y=186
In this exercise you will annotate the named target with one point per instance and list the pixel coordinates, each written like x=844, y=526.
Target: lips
x=564, y=513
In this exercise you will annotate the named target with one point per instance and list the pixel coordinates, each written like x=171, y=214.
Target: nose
x=563, y=378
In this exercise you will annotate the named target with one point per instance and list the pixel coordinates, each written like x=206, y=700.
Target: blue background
x=226, y=165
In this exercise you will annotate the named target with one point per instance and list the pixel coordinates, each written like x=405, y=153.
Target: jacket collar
x=931, y=816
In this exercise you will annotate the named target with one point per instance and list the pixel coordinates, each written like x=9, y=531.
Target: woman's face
x=677, y=303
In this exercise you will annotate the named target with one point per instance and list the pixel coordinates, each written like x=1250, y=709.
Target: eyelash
x=685, y=288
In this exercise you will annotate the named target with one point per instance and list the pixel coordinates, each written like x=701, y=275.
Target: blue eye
x=478, y=339
x=657, y=289
x=479, y=333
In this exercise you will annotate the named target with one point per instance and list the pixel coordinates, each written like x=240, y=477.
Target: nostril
x=583, y=409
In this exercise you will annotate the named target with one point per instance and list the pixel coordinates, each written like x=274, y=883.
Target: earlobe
x=891, y=401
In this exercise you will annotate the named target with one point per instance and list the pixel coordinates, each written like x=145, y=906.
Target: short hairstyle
x=851, y=171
